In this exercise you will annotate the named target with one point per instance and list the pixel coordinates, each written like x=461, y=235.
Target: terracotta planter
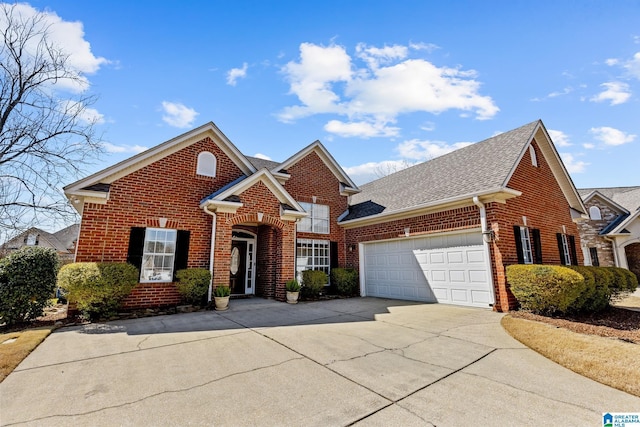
x=221, y=303
x=292, y=297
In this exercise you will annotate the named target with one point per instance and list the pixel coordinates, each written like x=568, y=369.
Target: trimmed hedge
x=313, y=282
x=27, y=283
x=345, y=280
x=545, y=289
x=624, y=282
x=193, y=285
x=98, y=288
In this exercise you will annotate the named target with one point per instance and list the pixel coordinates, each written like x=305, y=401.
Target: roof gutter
x=487, y=237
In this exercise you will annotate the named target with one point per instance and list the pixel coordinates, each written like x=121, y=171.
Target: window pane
x=158, y=256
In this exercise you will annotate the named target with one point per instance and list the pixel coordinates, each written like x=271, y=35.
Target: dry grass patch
x=607, y=360
x=15, y=346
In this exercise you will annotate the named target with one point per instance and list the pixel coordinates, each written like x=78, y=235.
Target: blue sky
x=382, y=84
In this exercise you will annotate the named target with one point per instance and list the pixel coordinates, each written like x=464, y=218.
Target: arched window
x=206, y=164
x=594, y=212
x=534, y=158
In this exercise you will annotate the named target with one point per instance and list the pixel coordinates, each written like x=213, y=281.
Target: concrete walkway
x=360, y=361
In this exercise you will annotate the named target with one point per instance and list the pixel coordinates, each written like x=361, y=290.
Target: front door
x=238, y=268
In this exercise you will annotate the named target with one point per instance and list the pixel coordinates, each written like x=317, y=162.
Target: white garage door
x=447, y=268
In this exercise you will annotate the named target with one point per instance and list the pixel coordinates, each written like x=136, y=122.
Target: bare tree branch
x=46, y=135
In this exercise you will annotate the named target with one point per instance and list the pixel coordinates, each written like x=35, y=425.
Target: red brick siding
x=168, y=188
x=543, y=203
x=311, y=177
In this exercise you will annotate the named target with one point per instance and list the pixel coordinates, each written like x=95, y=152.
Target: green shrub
x=292, y=286
x=98, y=288
x=545, y=289
x=345, y=280
x=193, y=285
x=599, y=298
x=584, y=299
x=624, y=282
x=313, y=282
x=27, y=283
x=222, y=291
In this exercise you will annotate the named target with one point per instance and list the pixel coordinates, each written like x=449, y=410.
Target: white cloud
x=236, y=73
x=633, y=66
x=567, y=90
x=262, y=156
x=428, y=126
x=386, y=84
x=589, y=146
x=415, y=149
x=612, y=61
x=611, y=136
x=66, y=35
x=178, y=115
x=360, y=129
x=559, y=138
x=367, y=172
x=616, y=92
x=428, y=47
x=111, y=148
x=83, y=113
x=573, y=165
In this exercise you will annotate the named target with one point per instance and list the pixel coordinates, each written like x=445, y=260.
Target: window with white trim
x=526, y=245
x=312, y=255
x=31, y=240
x=594, y=213
x=566, y=255
x=317, y=221
x=158, y=255
x=206, y=164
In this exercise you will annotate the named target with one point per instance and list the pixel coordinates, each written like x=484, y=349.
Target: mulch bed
x=613, y=322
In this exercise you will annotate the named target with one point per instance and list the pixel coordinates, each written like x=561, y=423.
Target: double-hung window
x=317, y=221
x=158, y=255
x=528, y=246
x=567, y=249
x=312, y=255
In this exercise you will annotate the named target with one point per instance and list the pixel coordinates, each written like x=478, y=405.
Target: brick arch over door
x=632, y=252
x=253, y=218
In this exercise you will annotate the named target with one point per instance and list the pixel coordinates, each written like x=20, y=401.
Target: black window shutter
x=516, y=233
x=182, y=251
x=333, y=254
x=136, y=246
x=572, y=247
x=537, y=246
x=560, y=247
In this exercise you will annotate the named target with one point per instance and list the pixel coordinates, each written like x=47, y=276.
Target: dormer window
x=206, y=164
x=532, y=154
x=594, y=213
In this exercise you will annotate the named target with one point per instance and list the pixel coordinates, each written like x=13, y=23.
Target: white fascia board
x=624, y=224
x=162, y=150
x=221, y=206
x=606, y=200
x=498, y=195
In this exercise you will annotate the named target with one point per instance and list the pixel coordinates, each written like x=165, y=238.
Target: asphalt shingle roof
x=627, y=197
x=478, y=167
x=262, y=163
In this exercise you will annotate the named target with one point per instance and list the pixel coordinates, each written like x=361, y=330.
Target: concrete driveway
x=361, y=361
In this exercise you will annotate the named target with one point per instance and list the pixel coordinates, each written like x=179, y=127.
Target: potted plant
x=221, y=295
x=293, y=291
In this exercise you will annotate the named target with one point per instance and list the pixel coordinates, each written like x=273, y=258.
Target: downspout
x=487, y=249
x=213, y=246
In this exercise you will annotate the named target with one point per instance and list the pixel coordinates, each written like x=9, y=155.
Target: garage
x=447, y=268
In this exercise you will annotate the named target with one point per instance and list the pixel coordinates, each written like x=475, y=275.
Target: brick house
x=611, y=235
x=443, y=230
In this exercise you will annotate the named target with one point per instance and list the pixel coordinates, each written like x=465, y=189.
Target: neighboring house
x=63, y=241
x=611, y=236
x=443, y=230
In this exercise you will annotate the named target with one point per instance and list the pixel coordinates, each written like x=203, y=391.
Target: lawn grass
x=13, y=352
x=609, y=361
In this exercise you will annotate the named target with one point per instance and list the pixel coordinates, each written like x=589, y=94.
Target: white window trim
x=314, y=266
x=207, y=164
x=595, y=213
x=525, y=238
x=312, y=218
x=565, y=249
x=145, y=253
